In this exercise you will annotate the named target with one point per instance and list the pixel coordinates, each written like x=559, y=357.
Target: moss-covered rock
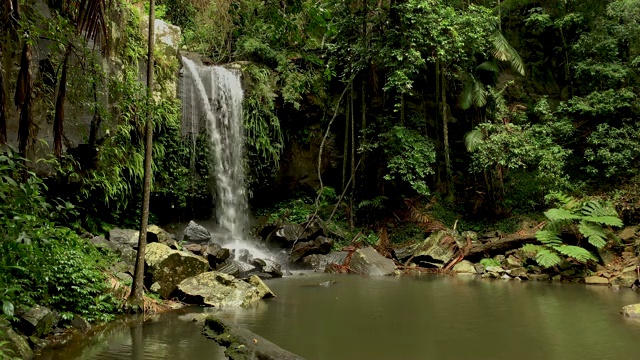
x=16, y=345
x=169, y=267
x=221, y=290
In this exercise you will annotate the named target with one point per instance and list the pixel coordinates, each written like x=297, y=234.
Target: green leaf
x=594, y=233
x=605, y=220
x=531, y=249
x=473, y=139
x=7, y=308
x=576, y=252
x=547, y=237
x=547, y=258
x=560, y=214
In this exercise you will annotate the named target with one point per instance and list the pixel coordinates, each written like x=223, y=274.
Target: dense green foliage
x=591, y=220
x=42, y=262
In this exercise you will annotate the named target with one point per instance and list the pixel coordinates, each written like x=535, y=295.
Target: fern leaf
x=547, y=258
x=531, y=249
x=605, y=220
x=556, y=226
x=547, y=237
x=580, y=254
x=594, y=233
x=598, y=208
x=560, y=214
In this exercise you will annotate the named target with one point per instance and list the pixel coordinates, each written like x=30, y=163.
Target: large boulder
x=220, y=290
x=169, y=267
x=321, y=245
x=195, y=233
x=367, y=261
x=124, y=237
x=289, y=233
x=319, y=262
x=263, y=290
x=268, y=267
x=627, y=278
x=464, y=267
x=17, y=344
x=435, y=251
x=157, y=234
x=216, y=254
x=631, y=311
x=37, y=321
x=235, y=268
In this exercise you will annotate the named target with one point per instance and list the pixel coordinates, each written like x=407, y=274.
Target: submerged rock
x=319, y=262
x=195, y=233
x=631, y=310
x=368, y=261
x=596, y=280
x=169, y=267
x=221, y=290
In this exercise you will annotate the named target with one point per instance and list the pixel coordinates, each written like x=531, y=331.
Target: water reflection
x=422, y=317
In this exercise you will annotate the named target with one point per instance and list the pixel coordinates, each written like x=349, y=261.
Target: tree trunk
x=345, y=152
x=445, y=136
x=136, y=296
x=23, y=99
x=58, y=120
x=500, y=246
x=353, y=158
x=3, y=105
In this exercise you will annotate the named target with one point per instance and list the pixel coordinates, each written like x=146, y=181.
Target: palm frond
x=473, y=139
x=580, y=254
x=91, y=21
x=503, y=51
x=488, y=66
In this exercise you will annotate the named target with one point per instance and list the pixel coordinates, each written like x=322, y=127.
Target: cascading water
x=215, y=94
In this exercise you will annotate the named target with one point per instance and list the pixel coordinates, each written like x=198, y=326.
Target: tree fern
x=547, y=258
x=594, y=233
x=560, y=214
x=576, y=252
x=590, y=217
x=549, y=238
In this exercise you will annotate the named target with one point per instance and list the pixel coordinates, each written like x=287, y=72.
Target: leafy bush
x=589, y=219
x=411, y=156
x=40, y=262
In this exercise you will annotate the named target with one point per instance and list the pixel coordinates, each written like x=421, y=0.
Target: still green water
x=422, y=317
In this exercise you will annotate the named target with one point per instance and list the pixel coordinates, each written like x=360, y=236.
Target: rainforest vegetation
x=472, y=114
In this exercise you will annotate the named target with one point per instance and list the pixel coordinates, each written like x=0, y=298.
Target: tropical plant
x=588, y=219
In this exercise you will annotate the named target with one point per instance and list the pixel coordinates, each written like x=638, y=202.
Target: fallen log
x=242, y=344
x=500, y=246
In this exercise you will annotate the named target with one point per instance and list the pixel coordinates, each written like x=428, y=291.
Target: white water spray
x=215, y=93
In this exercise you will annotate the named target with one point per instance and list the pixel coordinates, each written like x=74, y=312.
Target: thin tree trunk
x=23, y=100
x=3, y=105
x=353, y=158
x=345, y=152
x=445, y=136
x=437, y=122
x=136, y=296
x=58, y=120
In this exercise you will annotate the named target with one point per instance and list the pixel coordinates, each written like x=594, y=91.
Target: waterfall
x=215, y=94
